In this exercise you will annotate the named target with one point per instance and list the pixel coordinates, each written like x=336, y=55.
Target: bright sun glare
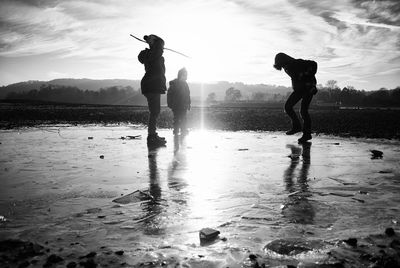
x=216, y=42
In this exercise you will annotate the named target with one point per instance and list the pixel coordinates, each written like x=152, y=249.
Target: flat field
x=370, y=123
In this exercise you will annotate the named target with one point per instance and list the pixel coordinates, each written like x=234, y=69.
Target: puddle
x=253, y=187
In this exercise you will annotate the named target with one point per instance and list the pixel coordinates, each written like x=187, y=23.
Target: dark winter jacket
x=178, y=95
x=302, y=72
x=154, y=79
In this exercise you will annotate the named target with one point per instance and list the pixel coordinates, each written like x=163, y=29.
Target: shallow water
x=254, y=187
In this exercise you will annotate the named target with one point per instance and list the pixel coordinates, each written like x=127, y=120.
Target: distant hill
x=196, y=89
x=127, y=92
x=219, y=88
x=95, y=85
x=84, y=84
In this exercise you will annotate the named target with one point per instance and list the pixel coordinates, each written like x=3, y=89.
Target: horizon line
x=191, y=82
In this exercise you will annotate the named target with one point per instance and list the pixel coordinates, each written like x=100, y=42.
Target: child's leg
x=153, y=101
x=291, y=101
x=176, y=122
x=184, y=129
x=305, y=105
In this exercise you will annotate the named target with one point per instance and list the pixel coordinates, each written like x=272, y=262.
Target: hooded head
x=154, y=40
x=182, y=74
x=281, y=60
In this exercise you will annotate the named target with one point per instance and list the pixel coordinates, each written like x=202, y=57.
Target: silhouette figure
x=153, y=83
x=302, y=72
x=297, y=207
x=178, y=99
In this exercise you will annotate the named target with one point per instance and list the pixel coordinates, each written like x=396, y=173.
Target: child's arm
x=150, y=54
x=142, y=56
x=155, y=53
x=188, y=101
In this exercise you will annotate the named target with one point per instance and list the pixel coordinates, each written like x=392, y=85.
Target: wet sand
x=59, y=186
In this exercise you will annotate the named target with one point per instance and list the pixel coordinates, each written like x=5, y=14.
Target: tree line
x=68, y=94
x=330, y=94
x=349, y=96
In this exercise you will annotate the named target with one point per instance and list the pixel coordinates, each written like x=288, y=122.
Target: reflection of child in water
x=297, y=208
x=302, y=73
x=178, y=99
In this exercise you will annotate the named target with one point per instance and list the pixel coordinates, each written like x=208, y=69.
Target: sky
x=355, y=42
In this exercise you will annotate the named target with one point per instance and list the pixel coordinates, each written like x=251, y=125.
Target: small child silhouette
x=178, y=99
x=153, y=84
x=302, y=72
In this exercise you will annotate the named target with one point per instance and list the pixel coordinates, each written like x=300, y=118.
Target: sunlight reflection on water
x=252, y=186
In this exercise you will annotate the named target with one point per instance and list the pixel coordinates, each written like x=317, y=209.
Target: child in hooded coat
x=302, y=72
x=153, y=83
x=178, y=99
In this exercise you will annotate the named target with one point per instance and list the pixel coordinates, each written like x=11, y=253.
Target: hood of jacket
x=282, y=59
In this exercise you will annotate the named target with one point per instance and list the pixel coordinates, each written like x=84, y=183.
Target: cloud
x=38, y=3
x=380, y=12
x=350, y=18
x=388, y=72
x=29, y=30
x=365, y=43
x=227, y=39
x=55, y=75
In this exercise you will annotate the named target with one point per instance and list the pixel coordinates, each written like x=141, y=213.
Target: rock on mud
x=14, y=251
x=376, y=154
x=208, y=234
x=52, y=259
x=389, y=231
x=293, y=246
x=119, y=252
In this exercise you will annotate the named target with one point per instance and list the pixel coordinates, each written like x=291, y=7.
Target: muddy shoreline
x=375, y=250
x=67, y=199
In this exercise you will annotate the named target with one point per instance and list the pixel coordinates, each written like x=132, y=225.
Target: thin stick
x=137, y=38
x=141, y=40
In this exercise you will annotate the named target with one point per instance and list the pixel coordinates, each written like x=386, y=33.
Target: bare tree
x=332, y=84
x=259, y=96
x=211, y=97
x=232, y=94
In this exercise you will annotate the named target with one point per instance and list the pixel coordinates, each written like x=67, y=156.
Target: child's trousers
x=180, y=121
